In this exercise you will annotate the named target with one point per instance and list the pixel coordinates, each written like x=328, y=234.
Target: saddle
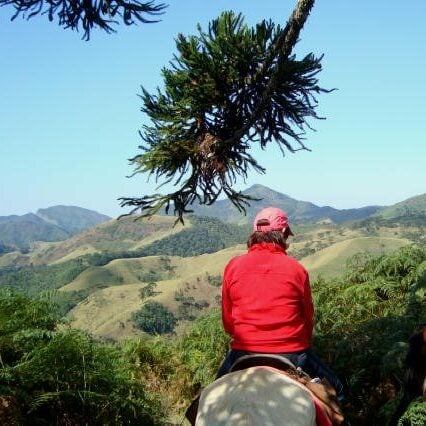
x=320, y=389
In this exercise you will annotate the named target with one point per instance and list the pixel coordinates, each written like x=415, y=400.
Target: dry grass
x=106, y=313
x=331, y=260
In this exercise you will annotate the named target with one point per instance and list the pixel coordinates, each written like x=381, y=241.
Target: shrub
x=415, y=414
x=363, y=321
x=64, y=377
x=154, y=318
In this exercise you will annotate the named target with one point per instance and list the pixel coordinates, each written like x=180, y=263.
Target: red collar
x=271, y=247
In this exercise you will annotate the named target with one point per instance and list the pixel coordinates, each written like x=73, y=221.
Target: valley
x=100, y=275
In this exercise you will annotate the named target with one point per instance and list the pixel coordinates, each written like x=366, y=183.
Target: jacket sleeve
x=227, y=321
x=308, y=307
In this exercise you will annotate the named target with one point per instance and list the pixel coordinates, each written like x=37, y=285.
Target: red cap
x=271, y=219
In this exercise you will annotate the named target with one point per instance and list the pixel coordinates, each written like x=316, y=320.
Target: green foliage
x=189, y=306
x=154, y=318
x=412, y=225
x=363, y=322
x=178, y=368
x=415, y=414
x=207, y=235
x=149, y=276
x=64, y=377
x=33, y=280
x=24, y=323
x=203, y=348
x=411, y=208
x=159, y=366
x=165, y=263
x=90, y=380
x=148, y=290
x=86, y=14
x=66, y=300
x=214, y=280
x=227, y=87
x=5, y=249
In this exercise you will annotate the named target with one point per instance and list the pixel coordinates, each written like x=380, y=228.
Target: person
x=414, y=381
x=267, y=303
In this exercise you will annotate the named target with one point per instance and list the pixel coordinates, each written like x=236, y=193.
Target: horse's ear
x=191, y=411
x=424, y=333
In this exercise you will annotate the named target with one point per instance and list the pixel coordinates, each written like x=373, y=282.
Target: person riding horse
x=267, y=303
x=270, y=375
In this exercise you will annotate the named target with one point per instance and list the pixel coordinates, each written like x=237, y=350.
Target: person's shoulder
x=234, y=264
x=294, y=261
x=296, y=264
x=236, y=259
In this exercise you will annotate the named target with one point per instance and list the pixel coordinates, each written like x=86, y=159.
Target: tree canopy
x=228, y=88
x=88, y=14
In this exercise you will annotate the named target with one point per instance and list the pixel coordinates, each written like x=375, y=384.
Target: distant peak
x=264, y=190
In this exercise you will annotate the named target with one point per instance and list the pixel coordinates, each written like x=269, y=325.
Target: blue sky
x=70, y=114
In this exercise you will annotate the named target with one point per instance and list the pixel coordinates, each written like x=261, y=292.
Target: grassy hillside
x=82, y=268
x=331, y=260
x=37, y=279
x=128, y=237
x=119, y=271
x=112, y=265
x=196, y=277
x=332, y=247
x=411, y=207
x=112, y=236
x=117, y=290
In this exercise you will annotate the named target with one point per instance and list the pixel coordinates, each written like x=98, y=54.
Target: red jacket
x=266, y=301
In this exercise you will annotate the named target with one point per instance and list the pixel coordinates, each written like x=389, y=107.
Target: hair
x=276, y=237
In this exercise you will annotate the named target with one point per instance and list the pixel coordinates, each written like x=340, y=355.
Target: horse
x=414, y=381
x=265, y=389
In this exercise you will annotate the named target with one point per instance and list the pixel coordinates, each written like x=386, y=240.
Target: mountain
x=414, y=206
x=19, y=231
x=298, y=211
x=72, y=219
x=113, y=236
x=52, y=224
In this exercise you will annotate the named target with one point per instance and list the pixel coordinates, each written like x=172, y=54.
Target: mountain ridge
x=56, y=223
x=298, y=211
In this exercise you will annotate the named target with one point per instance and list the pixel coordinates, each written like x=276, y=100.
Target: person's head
x=270, y=226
